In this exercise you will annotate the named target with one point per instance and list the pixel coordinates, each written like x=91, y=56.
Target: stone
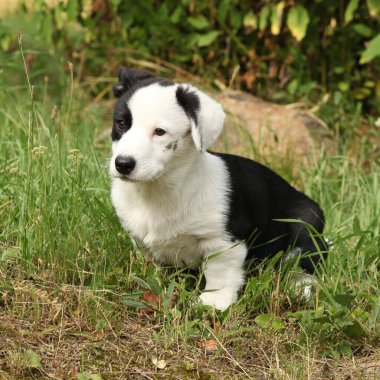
x=256, y=128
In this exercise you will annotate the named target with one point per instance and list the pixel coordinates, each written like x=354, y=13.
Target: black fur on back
x=259, y=199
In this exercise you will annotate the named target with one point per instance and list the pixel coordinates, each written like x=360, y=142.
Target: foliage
x=285, y=49
x=68, y=273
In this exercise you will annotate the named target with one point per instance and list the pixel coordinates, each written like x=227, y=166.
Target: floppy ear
x=205, y=114
x=127, y=78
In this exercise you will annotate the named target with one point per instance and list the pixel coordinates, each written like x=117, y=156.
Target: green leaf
x=354, y=330
x=115, y=4
x=72, y=10
x=356, y=226
x=250, y=20
x=363, y=30
x=350, y=10
x=33, y=359
x=338, y=69
x=322, y=320
x=373, y=7
x=276, y=18
x=208, y=38
x=223, y=9
x=263, y=18
x=344, y=299
x=345, y=349
x=47, y=27
x=297, y=21
x=154, y=285
x=343, y=86
x=85, y=376
x=369, y=84
x=58, y=15
x=360, y=93
x=5, y=42
x=277, y=324
x=199, y=22
x=372, y=50
x=236, y=19
x=270, y=321
x=263, y=320
x=74, y=33
x=141, y=282
x=331, y=353
x=176, y=16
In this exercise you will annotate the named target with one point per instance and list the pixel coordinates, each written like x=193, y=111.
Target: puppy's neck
x=182, y=177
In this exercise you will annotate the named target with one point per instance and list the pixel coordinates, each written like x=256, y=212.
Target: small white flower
x=39, y=150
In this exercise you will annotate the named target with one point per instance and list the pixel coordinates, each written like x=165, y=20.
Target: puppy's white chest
x=174, y=235
x=180, y=222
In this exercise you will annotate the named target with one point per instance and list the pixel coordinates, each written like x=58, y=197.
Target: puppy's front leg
x=224, y=275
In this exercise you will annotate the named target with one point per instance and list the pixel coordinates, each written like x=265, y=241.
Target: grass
x=74, y=293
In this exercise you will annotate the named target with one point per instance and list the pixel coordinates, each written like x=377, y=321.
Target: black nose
x=124, y=164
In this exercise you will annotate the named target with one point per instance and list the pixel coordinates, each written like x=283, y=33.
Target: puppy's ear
x=205, y=114
x=127, y=78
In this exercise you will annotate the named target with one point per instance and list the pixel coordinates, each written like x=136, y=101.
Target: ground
x=78, y=302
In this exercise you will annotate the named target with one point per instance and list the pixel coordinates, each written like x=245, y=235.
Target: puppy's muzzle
x=124, y=164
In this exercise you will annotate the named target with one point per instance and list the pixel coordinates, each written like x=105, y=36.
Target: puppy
x=191, y=207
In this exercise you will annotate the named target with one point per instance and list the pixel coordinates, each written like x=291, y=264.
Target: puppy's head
x=155, y=121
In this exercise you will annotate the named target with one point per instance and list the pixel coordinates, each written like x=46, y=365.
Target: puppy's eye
x=159, y=132
x=121, y=124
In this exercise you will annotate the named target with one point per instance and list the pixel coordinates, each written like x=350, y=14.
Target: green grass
x=72, y=288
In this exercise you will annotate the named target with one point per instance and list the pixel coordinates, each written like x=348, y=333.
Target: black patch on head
x=118, y=90
x=165, y=82
x=130, y=81
x=189, y=101
x=122, y=113
x=130, y=78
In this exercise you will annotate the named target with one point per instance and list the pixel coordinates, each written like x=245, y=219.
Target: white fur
x=175, y=201
x=305, y=283
x=210, y=119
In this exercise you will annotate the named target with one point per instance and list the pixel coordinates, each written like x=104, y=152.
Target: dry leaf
x=209, y=345
x=159, y=364
x=217, y=326
x=152, y=299
x=155, y=301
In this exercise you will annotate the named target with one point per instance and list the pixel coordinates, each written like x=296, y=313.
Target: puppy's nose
x=124, y=164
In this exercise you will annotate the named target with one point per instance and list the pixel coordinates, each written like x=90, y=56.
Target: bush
x=285, y=49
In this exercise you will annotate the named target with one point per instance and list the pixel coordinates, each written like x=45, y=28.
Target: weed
x=74, y=291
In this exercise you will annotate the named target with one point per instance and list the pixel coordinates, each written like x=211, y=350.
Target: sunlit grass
x=65, y=255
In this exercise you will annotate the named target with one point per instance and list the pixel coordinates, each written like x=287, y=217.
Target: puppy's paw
x=219, y=299
x=304, y=284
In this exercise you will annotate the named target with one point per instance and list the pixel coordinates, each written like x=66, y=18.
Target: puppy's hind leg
x=224, y=273
x=306, y=236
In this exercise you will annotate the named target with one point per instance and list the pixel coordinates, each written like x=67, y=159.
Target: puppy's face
x=156, y=120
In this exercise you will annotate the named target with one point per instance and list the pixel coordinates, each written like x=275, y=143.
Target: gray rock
x=257, y=128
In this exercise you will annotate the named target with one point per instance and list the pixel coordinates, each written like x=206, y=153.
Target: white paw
x=219, y=299
x=305, y=284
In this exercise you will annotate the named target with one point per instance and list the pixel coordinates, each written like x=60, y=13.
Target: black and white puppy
x=191, y=207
